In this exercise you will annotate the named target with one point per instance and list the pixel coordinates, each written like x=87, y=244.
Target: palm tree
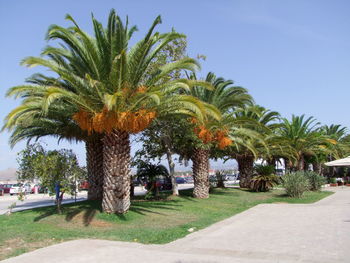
x=337, y=148
x=261, y=123
x=335, y=132
x=113, y=90
x=213, y=133
x=151, y=172
x=304, y=137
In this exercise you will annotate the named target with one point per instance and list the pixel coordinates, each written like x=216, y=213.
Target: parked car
x=230, y=177
x=43, y=189
x=163, y=183
x=180, y=180
x=28, y=188
x=6, y=188
x=39, y=187
x=84, y=186
x=189, y=180
x=20, y=188
x=138, y=182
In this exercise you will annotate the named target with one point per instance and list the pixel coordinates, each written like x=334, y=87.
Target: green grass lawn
x=155, y=222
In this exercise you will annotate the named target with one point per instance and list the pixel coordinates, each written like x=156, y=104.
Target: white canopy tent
x=340, y=162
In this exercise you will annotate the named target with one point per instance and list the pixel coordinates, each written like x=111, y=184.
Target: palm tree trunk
x=246, y=170
x=94, y=163
x=288, y=167
x=301, y=163
x=172, y=172
x=116, y=167
x=200, y=159
x=220, y=180
x=317, y=167
x=331, y=169
x=272, y=162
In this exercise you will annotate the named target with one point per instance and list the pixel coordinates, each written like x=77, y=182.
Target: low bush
x=332, y=180
x=265, y=169
x=264, y=183
x=315, y=180
x=295, y=184
x=265, y=179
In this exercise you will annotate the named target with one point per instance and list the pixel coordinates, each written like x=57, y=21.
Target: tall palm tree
x=213, y=133
x=334, y=131
x=113, y=90
x=304, y=137
x=337, y=148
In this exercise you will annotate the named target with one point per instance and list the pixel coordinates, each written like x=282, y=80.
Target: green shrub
x=315, y=180
x=332, y=180
x=295, y=184
x=263, y=183
x=265, y=169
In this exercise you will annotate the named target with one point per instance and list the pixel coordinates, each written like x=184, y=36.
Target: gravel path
x=318, y=232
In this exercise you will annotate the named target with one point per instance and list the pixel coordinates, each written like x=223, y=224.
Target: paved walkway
x=317, y=232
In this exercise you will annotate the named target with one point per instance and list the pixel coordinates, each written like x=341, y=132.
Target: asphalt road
x=34, y=200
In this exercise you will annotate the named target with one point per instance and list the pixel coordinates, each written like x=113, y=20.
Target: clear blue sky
x=292, y=55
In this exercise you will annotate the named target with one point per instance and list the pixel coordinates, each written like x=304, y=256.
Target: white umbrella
x=340, y=162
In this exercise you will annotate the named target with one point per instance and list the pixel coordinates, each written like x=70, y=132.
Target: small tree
x=165, y=137
x=150, y=172
x=57, y=170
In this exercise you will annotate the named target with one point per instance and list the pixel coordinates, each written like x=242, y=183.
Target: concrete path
x=317, y=232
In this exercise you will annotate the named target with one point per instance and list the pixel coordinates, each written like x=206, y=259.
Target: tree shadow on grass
x=226, y=191
x=186, y=192
x=71, y=214
x=88, y=215
x=281, y=195
x=153, y=207
x=88, y=210
x=71, y=210
x=188, y=198
x=45, y=213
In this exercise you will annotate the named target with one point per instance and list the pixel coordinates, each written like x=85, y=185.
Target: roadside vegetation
x=149, y=222
x=103, y=91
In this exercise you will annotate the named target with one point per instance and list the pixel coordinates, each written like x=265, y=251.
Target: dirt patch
x=16, y=246
x=87, y=218
x=9, y=246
